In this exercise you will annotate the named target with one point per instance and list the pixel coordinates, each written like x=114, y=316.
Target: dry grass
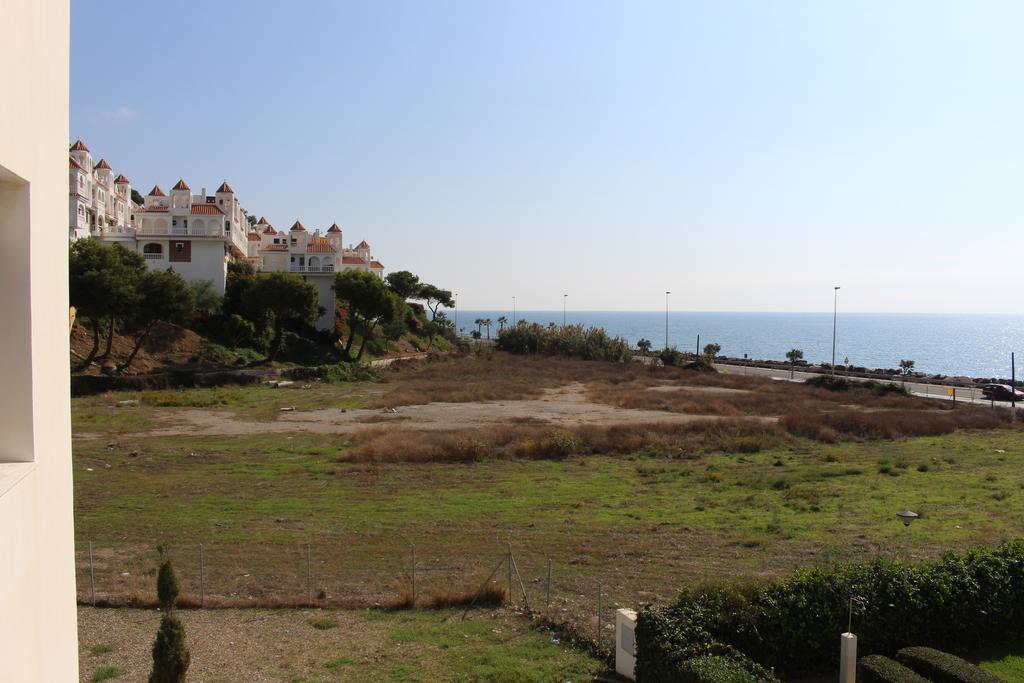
x=891, y=424
x=535, y=441
x=468, y=595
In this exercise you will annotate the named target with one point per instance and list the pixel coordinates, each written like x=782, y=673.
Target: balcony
x=311, y=269
x=182, y=231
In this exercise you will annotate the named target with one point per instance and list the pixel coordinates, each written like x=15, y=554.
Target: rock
x=129, y=402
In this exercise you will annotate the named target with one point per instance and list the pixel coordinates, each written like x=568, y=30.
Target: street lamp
x=835, y=310
x=456, y=314
x=564, y=297
x=907, y=517
x=513, y=311
x=666, y=319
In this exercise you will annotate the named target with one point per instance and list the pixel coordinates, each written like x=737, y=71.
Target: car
x=1002, y=392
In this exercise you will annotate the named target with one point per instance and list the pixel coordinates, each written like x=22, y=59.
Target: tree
x=103, y=285
x=404, y=284
x=435, y=297
x=711, y=350
x=163, y=297
x=276, y=298
x=644, y=346
x=502, y=321
x=794, y=356
x=368, y=303
x=906, y=367
x=479, y=322
x=137, y=197
x=487, y=322
x=250, y=219
x=207, y=301
x=170, y=654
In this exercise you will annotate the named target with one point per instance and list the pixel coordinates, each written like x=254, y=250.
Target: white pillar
x=848, y=658
x=625, y=643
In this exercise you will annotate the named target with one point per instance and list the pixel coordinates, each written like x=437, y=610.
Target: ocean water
x=950, y=344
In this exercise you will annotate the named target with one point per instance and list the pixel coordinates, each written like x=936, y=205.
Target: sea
x=972, y=345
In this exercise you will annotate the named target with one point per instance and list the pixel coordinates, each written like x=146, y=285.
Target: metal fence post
x=547, y=599
x=599, y=632
x=92, y=576
x=202, y=576
x=508, y=560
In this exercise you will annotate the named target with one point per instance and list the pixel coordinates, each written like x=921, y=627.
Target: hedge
x=577, y=341
x=677, y=650
x=942, y=667
x=957, y=603
x=879, y=669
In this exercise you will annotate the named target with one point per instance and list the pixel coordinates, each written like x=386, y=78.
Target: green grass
x=99, y=650
x=106, y=673
x=1006, y=661
x=323, y=624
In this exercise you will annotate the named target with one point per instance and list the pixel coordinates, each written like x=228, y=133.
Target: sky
x=746, y=156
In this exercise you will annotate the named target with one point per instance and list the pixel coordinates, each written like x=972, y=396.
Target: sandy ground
x=565, y=406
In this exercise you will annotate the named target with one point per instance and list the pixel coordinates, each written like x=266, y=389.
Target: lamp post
x=666, y=319
x=907, y=517
x=835, y=311
x=456, y=315
x=513, y=311
x=564, y=298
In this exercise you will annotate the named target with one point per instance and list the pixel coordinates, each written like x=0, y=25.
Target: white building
x=96, y=199
x=314, y=256
x=38, y=629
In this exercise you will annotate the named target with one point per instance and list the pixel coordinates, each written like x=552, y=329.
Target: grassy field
x=313, y=646
x=633, y=523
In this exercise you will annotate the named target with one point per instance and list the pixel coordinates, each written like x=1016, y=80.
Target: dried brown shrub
x=890, y=424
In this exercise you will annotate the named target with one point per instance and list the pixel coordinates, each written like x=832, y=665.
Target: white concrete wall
x=325, y=286
x=38, y=638
x=208, y=262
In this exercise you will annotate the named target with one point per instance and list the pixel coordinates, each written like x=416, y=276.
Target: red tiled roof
x=224, y=187
x=298, y=226
x=275, y=247
x=353, y=261
x=334, y=228
x=154, y=209
x=79, y=146
x=377, y=265
x=103, y=164
x=320, y=246
x=206, y=209
x=270, y=230
x=253, y=237
x=181, y=185
x=74, y=164
x=120, y=180
x=363, y=245
x=262, y=221
x=156, y=192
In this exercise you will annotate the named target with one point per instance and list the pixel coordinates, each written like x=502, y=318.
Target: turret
x=181, y=195
x=156, y=197
x=334, y=237
x=104, y=173
x=81, y=154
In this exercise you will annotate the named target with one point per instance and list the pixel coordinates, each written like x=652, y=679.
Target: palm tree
x=487, y=322
x=644, y=346
x=479, y=322
x=793, y=355
x=907, y=366
x=502, y=321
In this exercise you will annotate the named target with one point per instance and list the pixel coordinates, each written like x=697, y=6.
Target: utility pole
x=513, y=311
x=835, y=311
x=564, y=298
x=666, y=319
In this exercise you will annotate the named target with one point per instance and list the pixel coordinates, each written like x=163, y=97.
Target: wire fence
x=224, y=574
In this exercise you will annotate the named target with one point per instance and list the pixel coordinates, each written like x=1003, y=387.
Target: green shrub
x=339, y=372
x=942, y=667
x=672, y=357
x=715, y=669
x=957, y=603
x=577, y=341
x=106, y=673
x=879, y=669
x=830, y=382
x=170, y=655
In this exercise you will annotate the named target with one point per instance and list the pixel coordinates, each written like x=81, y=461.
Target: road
x=937, y=391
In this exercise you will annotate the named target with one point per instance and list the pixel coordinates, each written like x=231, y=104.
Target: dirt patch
x=167, y=346
x=566, y=406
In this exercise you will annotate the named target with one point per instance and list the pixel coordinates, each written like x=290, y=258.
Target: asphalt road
x=937, y=391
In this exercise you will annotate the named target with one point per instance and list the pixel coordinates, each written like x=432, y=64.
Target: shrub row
x=942, y=667
x=577, y=341
x=879, y=669
x=957, y=603
x=339, y=372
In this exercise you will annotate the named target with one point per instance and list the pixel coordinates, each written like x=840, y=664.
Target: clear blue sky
x=745, y=155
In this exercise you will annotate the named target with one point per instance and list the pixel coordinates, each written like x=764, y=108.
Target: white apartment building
x=314, y=256
x=196, y=235
x=96, y=199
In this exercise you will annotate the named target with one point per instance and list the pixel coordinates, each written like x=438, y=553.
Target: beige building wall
x=38, y=639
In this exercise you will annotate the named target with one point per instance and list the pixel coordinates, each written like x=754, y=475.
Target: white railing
x=182, y=231
x=311, y=269
x=153, y=257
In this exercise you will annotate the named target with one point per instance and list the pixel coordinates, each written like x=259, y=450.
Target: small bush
x=942, y=667
x=340, y=372
x=491, y=595
x=879, y=669
x=829, y=382
x=323, y=624
x=715, y=669
x=106, y=673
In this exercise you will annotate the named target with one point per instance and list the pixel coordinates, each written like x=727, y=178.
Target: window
x=153, y=250
x=179, y=247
